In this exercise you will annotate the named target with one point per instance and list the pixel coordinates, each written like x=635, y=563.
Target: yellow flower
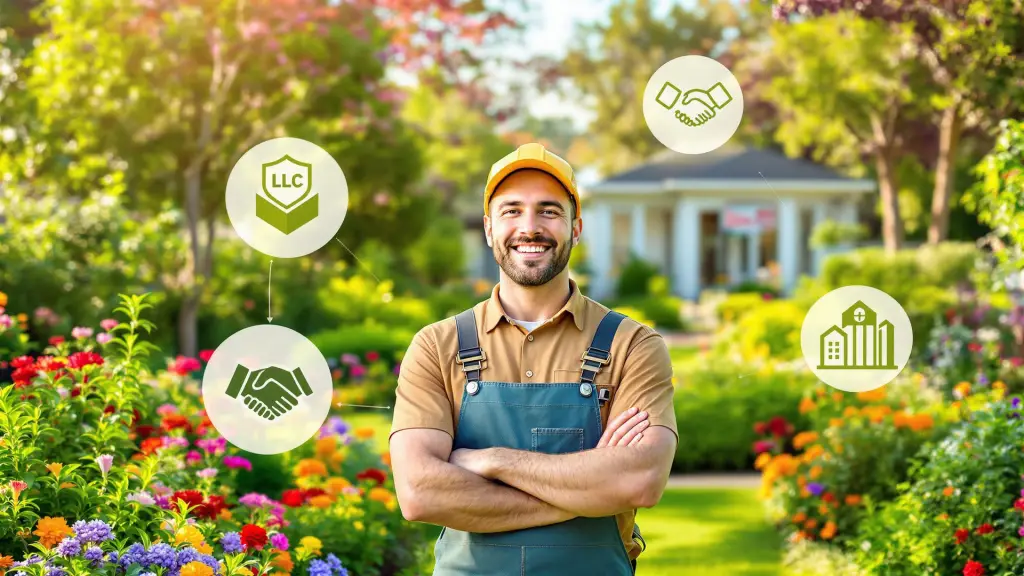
x=358, y=525
x=204, y=548
x=54, y=468
x=762, y=460
x=998, y=385
x=3, y=299
x=312, y=544
x=310, y=467
x=803, y=439
x=190, y=535
x=52, y=530
x=962, y=389
x=133, y=469
x=196, y=569
x=326, y=446
x=383, y=532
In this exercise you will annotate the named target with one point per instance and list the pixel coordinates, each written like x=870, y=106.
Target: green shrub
x=771, y=329
x=926, y=307
x=452, y=299
x=735, y=306
x=360, y=299
x=661, y=312
x=748, y=286
x=720, y=402
x=390, y=343
x=968, y=479
x=635, y=278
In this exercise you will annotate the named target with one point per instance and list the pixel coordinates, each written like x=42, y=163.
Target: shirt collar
x=494, y=313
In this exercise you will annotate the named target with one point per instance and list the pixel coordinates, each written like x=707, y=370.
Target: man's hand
x=625, y=430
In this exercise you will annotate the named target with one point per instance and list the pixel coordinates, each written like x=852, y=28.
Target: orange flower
x=872, y=395
x=379, y=494
x=820, y=392
x=799, y=517
x=310, y=467
x=6, y=562
x=337, y=458
x=853, y=499
x=962, y=389
x=948, y=491
x=762, y=460
x=66, y=485
x=811, y=524
x=943, y=516
x=283, y=560
x=920, y=422
x=386, y=458
x=364, y=433
x=54, y=468
x=807, y=405
x=835, y=422
x=3, y=299
x=336, y=484
x=196, y=569
x=815, y=472
x=326, y=446
x=52, y=530
x=823, y=509
x=321, y=501
x=803, y=439
x=829, y=530
x=813, y=452
x=850, y=411
x=804, y=492
x=999, y=386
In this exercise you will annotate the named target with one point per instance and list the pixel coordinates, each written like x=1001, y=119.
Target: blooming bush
x=106, y=468
x=962, y=511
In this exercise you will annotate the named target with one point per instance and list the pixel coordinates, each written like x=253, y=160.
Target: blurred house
x=705, y=221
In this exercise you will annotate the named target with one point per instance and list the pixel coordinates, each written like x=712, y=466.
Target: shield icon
x=287, y=181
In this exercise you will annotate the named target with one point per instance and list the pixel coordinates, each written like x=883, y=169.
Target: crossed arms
x=501, y=489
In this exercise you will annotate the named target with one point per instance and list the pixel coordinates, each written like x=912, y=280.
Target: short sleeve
x=421, y=396
x=647, y=382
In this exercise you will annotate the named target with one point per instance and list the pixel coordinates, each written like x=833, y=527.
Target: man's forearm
x=451, y=496
x=598, y=482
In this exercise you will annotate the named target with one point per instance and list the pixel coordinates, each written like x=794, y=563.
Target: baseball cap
x=532, y=155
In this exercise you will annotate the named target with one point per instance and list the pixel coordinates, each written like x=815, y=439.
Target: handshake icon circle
x=697, y=106
x=269, y=392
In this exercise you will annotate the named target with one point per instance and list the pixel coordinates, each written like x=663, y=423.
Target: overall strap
x=599, y=352
x=470, y=355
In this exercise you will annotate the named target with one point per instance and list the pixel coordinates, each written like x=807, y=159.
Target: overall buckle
x=471, y=362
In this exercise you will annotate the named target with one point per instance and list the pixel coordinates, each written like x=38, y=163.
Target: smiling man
x=535, y=424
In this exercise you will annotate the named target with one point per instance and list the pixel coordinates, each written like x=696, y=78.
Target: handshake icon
x=269, y=392
x=698, y=106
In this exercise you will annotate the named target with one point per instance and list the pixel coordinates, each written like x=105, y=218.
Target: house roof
x=730, y=167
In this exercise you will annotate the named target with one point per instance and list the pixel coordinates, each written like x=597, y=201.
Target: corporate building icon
x=860, y=343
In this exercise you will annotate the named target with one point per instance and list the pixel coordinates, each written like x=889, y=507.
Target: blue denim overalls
x=555, y=418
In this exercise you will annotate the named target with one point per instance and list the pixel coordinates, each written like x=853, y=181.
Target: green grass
x=379, y=420
x=712, y=532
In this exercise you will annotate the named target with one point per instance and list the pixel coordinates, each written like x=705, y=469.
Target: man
x=533, y=425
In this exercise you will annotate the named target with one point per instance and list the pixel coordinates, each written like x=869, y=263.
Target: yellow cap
x=532, y=155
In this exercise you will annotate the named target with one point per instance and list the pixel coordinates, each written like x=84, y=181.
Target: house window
x=832, y=349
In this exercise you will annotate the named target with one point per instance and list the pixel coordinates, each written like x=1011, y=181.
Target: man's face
x=531, y=228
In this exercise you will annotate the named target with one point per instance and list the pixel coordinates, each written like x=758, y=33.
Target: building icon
x=862, y=343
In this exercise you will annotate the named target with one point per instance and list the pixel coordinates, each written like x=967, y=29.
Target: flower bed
x=106, y=468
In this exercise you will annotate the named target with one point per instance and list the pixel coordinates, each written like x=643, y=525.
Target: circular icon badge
x=267, y=389
x=287, y=197
x=693, y=104
x=856, y=338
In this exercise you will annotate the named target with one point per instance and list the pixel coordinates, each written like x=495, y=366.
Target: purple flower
x=55, y=571
x=1015, y=402
x=349, y=359
x=335, y=426
x=161, y=555
x=279, y=541
x=187, y=555
x=398, y=369
x=69, y=547
x=815, y=488
x=135, y=554
x=335, y=565
x=231, y=542
x=207, y=473
x=255, y=500
x=982, y=379
x=319, y=568
x=95, y=555
x=233, y=462
x=92, y=531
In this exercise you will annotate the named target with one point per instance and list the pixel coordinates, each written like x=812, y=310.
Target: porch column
x=788, y=244
x=599, y=248
x=849, y=216
x=638, y=241
x=686, y=248
x=753, y=255
x=734, y=265
x=819, y=254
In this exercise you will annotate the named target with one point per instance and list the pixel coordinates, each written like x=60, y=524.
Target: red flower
x=145, y=431
x=372, y=356
x=83, y=359
x=253, y=536
x=829, y=497
x=50, y=364
x=56, y=340
x=182, y=365
x=150, y=445
x=22, y=362
x=174, y=421
x=974, y=347
x=205, y=355
x=974, y=569
x=312, y=493
x=779, y=427
x=23, y=376
x=1019, y=504
x=378, y=476
x=760, y=428
x=961, y=535
x=292, y=498
x=193, y=498
x=986, y=529
x=212, y=507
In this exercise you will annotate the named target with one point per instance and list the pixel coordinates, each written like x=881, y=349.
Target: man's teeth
x=531, y=249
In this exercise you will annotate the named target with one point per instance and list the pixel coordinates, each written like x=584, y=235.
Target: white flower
x=988, y=335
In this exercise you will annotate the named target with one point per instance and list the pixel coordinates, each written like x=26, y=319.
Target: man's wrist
x=497, y=459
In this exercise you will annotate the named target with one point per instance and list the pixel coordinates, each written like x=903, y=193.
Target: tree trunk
x=892, y=223
x=188, y=316
x=949, y=138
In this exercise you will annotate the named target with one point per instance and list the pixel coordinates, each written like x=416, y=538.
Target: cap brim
x=525, y=163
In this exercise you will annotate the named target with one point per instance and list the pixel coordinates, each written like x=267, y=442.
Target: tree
x=848, y=100
x=609, y=65
x=178, y=91
x=974, y=52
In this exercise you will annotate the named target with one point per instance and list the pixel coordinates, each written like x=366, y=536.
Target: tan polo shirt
x=431, y=383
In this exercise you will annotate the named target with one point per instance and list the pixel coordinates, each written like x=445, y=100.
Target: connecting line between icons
x=363, y=406
x=365, y=267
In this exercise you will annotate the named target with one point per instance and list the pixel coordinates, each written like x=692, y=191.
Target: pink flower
x=81, y=332
x=167, y=409
x=205, y=355
x=207, y=473
x=193, y=457
x=279, y=541
x=349, y=359
x=5, y=321
x=255, y=500
x=235, y=462
x=183, y=365
x=105, y=461
x=142, y=497
x=18, y=486
x=175, y=441
x=103, y=338
x=358, y=371
x=212, y=445
x=109, y=324
x=763, y=446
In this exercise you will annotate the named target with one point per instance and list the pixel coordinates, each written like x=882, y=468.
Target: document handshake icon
x=269, y=392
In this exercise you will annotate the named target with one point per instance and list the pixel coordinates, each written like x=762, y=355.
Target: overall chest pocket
x=557, y=440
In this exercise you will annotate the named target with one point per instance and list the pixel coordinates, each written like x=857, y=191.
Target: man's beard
x=533, y=273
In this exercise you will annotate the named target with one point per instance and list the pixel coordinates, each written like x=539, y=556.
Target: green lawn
x=380, y=421
x=712, y=532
